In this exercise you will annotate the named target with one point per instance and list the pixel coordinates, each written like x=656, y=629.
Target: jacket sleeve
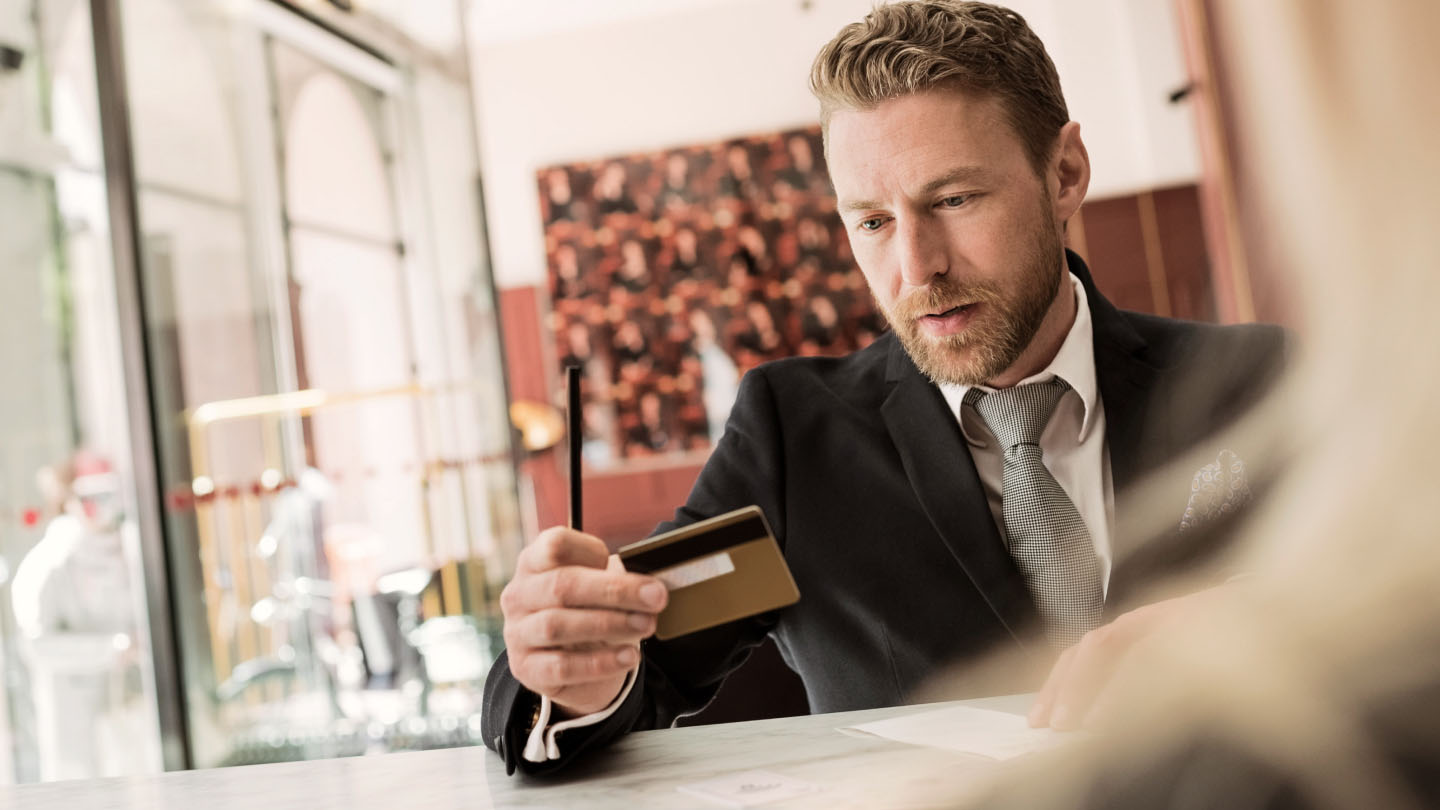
x=680, y=676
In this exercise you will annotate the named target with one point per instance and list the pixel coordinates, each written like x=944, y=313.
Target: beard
x=1010, y=314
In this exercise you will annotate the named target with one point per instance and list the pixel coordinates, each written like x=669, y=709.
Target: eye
x=954, y=201
x=871, y=223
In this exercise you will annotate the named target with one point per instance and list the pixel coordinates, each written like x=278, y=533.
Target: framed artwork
x=673, y=273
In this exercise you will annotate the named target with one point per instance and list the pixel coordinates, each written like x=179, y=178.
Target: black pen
x=573, y=430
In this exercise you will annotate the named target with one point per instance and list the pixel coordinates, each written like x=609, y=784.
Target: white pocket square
x=1218, y=489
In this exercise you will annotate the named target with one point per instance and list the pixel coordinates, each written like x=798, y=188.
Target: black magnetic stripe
x=691, y=548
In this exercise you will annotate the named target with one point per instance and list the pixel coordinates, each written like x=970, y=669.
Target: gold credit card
x=718, y=570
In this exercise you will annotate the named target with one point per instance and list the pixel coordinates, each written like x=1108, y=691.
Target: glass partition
x=79, y=689
x=340, y=501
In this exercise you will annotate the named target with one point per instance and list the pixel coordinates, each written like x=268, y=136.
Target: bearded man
x=948, y=492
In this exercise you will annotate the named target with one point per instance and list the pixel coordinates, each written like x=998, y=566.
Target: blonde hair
x=916, y=47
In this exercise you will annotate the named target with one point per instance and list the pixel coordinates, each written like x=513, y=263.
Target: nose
x=921, y=251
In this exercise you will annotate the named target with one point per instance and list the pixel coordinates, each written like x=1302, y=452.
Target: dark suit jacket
x=873, y=496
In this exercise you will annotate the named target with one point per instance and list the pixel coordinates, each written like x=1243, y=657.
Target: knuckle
x=624, y=628
x=1134, y=623
x=550, y=628
x=544, y=559
x=614, y=592
x=590, y=664
x=542, y=673
x=535, y=679
x=1103, y=638
x=617, y=625
x=559, y=669
x=561, y=584
x=510, y=599
x=548, y=546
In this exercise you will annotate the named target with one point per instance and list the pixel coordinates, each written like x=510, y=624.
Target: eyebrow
x=960, y=174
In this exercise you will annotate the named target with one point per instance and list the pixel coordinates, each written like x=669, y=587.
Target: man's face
x=954, y=232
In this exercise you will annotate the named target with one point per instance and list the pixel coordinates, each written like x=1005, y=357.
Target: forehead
x=915, y=138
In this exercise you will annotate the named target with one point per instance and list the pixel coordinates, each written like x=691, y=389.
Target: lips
x=949, y=321
x=950, y=311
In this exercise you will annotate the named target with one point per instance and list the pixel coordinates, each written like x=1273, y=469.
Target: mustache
x=941, y=294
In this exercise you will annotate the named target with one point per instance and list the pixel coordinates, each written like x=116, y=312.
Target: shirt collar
x=1074, y=363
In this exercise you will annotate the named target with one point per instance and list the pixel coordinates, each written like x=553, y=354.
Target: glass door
x=340, y=504
x=79, y=696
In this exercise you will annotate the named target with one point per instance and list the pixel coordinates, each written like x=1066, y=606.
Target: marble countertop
x=641, y=771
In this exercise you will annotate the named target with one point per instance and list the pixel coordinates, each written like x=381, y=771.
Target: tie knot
x=1018, y=415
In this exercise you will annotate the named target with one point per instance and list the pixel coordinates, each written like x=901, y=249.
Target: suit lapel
x=1126, y=381
x=949, y=490
x=1137, y=431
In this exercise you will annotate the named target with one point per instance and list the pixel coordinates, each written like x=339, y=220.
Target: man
x=946, y=492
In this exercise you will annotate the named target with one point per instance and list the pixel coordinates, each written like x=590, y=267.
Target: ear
x=1069, y=172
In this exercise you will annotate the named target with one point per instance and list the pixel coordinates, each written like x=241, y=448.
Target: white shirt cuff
x=541, y=745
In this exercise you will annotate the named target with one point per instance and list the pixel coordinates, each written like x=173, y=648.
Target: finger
x=1095, y=658
x=1044, y=705
x=564, y=627
x=558, y=546
x=576, y=587
x=1105, y=706
x=549, y=671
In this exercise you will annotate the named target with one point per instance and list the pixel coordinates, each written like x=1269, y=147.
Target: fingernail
x=626, y=657
x=638, y=621
x=652, y=594
x=1035, y=716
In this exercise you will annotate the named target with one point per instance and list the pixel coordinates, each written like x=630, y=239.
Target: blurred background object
x=73, y=597
x=541, y=425
x=1314, y=680
x=246, y=267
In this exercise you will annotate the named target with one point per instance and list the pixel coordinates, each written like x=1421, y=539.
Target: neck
x=1047, y=340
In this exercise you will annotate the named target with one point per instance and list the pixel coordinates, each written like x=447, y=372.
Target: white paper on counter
x=998, y=735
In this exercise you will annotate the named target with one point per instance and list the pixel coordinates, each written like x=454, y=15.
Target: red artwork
x=673, y=273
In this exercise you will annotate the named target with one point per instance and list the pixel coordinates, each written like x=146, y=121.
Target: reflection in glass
x=79, y=698
x=339, y=491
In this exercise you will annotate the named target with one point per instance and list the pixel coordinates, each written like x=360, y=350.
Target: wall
x=701, y=71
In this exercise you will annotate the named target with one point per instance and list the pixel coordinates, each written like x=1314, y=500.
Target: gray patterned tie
x=1048, y=538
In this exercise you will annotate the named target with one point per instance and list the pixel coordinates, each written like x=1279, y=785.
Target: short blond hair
x=912, y=47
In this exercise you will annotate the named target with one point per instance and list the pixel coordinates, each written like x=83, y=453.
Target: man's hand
x=574, y=620
x=1078, y=681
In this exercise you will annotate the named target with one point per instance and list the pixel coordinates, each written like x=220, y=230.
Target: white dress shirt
x=1073, y=444
x=541, y=744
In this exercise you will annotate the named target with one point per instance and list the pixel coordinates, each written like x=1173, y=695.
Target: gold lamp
x=540, y=424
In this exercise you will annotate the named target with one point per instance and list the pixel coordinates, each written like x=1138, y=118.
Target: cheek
x=884, y=286
x=992, y=248
x=880, y=272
